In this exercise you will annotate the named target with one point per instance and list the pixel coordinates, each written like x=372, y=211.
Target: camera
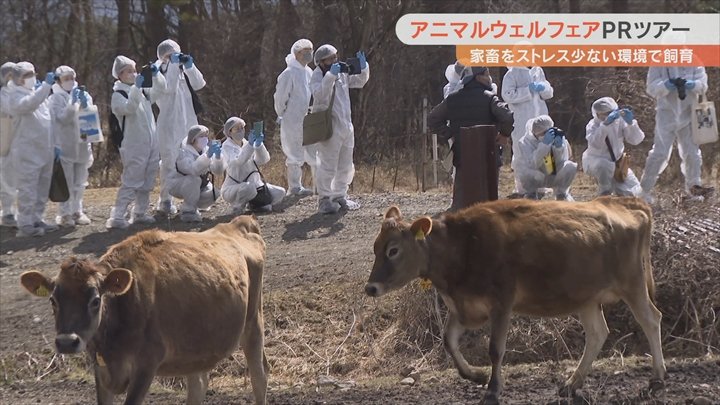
x=351, y=66
x=147, y=75
x=557, y=132
x=679, y=84
x=183, y=58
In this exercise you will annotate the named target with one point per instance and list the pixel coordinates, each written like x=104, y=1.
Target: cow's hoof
x=656, y=385
x=491, y=398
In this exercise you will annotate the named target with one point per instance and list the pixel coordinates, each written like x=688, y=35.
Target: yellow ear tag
x=420, y=235
x=425, y=284
x=41, y=291
x=100, y=360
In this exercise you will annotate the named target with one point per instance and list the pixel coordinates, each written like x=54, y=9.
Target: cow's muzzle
x=374, y=289
x=69, y=343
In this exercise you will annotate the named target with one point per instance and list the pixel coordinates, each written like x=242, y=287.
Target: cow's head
x=400, y=253
x=76, y=296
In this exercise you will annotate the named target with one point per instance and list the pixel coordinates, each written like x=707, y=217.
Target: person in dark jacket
x=474, y=104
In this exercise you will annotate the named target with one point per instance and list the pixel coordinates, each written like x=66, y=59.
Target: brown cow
x=160, y=303
x=536, y=258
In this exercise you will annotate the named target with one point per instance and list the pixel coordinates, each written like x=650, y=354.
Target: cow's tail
x=646, y=255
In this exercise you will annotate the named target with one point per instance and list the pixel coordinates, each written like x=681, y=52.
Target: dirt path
x=318, y=322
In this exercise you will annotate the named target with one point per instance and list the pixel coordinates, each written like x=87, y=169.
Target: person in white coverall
x=32, y=148
x=525, y=91
x=335, y=169
x=177, y=114
x=8, y=191
x=453, y=75
x=242, y=160
x=613, y=126
x=139, y=151
x=292, y=99
x=541, y=140
x=194, y=162
x=76, y=156
x=672, y=124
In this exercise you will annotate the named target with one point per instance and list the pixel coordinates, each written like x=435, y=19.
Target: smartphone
x=259, y=127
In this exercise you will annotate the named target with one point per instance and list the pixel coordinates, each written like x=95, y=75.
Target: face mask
x=130, y=79
x=305, y=57
x=68, y=86
x=201, y=143
x=238, y=135
x=29, y=83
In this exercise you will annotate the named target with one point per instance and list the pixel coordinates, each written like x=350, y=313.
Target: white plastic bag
x=89, y=123
x=704, y=121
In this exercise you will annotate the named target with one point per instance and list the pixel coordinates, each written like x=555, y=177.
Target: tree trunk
x=73, y=22
x=123, y=28
x=156, y=25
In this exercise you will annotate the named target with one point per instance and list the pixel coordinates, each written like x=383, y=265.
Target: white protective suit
x=176, y=116
x=531, y=170
x=335, y=156
x=139, y=151
x=524, y=104
x=8, y=191
x=241, y=177
x=76, y=156
x=292, y=99
x=184, y=181
x=672, y=123
x=597, y=161
x=31, y=151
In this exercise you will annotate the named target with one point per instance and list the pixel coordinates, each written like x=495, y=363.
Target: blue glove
x=669, y=84
x=74, y=95
x=251, y=137
x=549, y=136
x=83, y=99
x=174, y=57
x=690, y=84
x=335, y=69
x=50, y=78
x=189, y=62
x=218, y=150
x=57, y=153
x=558, y=142
x=536, y=87
x=139, y=79
x=259, y=139
x=363, y=60
x=38, y=83
x=154, y=69
x=627, y=115
x=612, y=117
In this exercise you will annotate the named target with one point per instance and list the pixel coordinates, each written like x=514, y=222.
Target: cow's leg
x=499, y=324
x=139, y=385
x=253, y=345
x=197, y=385
x=649, y=317
x=104, y=395
x=453, y=331
x=596, y=332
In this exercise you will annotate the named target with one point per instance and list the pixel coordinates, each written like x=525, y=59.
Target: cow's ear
x=393, y=213
x=37, y=284
x=421, y=227
x=117, y=282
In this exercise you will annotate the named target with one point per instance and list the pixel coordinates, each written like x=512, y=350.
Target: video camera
x=558, y=132
x=679, y=84
x=351, y=66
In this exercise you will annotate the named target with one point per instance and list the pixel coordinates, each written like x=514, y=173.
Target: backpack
x=117, y=131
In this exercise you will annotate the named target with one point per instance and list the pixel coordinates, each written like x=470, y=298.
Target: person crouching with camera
x=605, y=158
x=675, y=89
x=544, y=159
x=335, y=168
x=244, y=186
x=192, y=180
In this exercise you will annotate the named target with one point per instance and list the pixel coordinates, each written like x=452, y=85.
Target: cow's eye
x=95, y=304
x=392, y=252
